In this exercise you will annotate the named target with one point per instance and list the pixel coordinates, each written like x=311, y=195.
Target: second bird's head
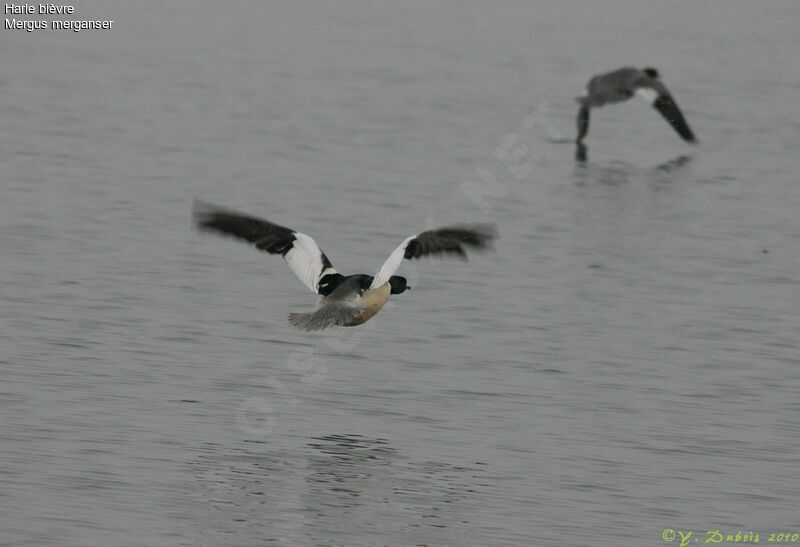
x=651, y=72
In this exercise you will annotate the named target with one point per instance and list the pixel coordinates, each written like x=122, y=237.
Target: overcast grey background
x=625, y=361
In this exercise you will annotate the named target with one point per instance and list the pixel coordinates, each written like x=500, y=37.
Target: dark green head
x=399, y=284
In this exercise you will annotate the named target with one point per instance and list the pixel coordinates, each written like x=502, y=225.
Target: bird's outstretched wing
x=449, y=240
x=668, y=108
x=582, y=122
x=300, y=251
x=663, y=101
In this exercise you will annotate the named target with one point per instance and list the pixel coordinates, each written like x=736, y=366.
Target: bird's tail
x=327, y=315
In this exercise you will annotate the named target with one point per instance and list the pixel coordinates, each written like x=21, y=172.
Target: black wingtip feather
x=261, y=233
x=668, y=108
x=452, y=240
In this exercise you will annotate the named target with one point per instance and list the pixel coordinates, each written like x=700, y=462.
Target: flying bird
x=622, y=84
x=344, y=300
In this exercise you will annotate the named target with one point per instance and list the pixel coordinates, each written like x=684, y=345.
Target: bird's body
x=348, y=305
x=613, y=87
x=622, y=84
x=374, y=300
x=343, y=300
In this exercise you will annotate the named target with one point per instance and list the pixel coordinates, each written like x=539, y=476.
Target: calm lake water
x=625, y=361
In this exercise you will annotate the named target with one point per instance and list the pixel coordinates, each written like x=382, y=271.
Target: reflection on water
x=616, y=172
x=340, y=485
x=619, y=172
x=582, y=157
x=674, y=163
x=344, y=464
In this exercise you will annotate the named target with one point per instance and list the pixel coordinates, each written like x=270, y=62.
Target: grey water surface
x=624, y=361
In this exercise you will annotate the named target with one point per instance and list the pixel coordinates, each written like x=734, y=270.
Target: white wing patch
x=390, y=266
x=647, y=94
x=305, y=260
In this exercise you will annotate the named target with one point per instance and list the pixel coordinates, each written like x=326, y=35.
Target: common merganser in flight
x=621, y=85
x=343, y=300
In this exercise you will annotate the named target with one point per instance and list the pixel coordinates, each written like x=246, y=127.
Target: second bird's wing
x=663, y=101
